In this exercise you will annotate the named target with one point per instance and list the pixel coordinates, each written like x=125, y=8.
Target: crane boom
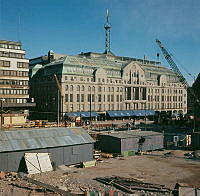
x=177, y=71
x=172, y=64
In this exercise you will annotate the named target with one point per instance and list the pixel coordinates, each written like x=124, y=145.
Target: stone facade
x=100, y=82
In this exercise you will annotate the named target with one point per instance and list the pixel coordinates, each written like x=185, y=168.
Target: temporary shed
x=65, y=145
x=177, y=139
x=127, y=141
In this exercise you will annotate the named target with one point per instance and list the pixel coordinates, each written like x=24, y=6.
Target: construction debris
x=89, y=164
x=2, y=175
x=182, y=189
x=130, y=185
x=48, y=187
x=106, y=155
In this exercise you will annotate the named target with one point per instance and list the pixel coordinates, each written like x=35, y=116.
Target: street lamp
x=58, y=111
x=145, y=107
x=90, y=105
x=2, y=100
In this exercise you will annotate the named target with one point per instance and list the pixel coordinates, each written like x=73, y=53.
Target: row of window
x=12, y=55
x=120, y=89
x=165, y=98
x=14, y=91
x=99, y=107
x=169, y=91
x=74, y=78
x=13, y=73
x=14, y=82
x=13, y=100
x=102, y=80
x=22, y=65
x=164, y=84
x=121, y=106
x=19, y=64
x=100, y=89
x=10, y=46
x=91, y=98
x=4, y=63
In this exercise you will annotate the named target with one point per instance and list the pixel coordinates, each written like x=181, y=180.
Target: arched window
x=78, y=88
x=83, y=88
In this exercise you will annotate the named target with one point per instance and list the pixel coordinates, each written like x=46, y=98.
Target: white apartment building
x=13, y=82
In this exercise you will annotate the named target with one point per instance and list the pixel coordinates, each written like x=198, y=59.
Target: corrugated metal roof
x=130, y=134
x=42, y=138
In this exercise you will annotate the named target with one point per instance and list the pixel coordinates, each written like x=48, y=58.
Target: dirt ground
x=154, y=167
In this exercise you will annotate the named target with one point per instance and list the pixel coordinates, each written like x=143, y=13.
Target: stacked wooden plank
x=130, y=185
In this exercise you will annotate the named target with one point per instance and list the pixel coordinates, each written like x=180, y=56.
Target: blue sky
x=74, y=26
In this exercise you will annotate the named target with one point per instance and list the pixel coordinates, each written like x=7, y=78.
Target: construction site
x=98, y=124
x=103, y=158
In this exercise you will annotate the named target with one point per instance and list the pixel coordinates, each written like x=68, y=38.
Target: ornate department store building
x=104, y=82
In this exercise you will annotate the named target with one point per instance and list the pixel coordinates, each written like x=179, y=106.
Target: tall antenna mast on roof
x=107, y=27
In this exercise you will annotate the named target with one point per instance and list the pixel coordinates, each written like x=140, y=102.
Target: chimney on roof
x=50, y=56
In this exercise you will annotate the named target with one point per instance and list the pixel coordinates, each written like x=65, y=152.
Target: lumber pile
x=130, y=185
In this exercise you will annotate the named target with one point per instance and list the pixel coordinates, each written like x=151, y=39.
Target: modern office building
x=14, y=81
x=101, y=82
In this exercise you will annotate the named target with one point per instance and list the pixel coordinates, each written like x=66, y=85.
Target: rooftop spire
x=107, y=27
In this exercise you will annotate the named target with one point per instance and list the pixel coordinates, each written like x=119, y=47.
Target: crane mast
x=61, y=93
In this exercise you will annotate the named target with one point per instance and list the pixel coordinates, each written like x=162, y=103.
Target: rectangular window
x=66, y=97
x=99, y=98
x=108, y=97
x=93, y=98
x=71, y=97
x=89, y=97
x=78, y=98
x=112, y=98
x=5, y=63
x=22, y=65
x=117, y=98
x=1, y=63
x=82, y=97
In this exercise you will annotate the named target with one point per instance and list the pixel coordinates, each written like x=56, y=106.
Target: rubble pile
x=9, y=176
